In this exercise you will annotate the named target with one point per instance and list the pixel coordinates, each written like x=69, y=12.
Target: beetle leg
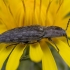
x=53, y=43
x=12, y=44
x=38, y=40
x=32, y=42
x=26, y=42
x=29, y=42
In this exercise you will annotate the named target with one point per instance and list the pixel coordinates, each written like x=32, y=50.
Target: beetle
x=32, y=34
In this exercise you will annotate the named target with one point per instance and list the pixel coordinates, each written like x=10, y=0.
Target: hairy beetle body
x=22, y=34
x=31, y=33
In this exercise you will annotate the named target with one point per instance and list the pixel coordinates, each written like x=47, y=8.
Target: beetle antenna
x=12, y=44
x=67, y=24
x=67, y=40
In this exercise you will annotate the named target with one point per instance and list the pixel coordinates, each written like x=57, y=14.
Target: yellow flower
x=17, y=13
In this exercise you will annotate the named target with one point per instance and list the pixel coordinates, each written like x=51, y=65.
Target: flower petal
x=5, y=15
x=17, y=9
x=64, y=50
x=64, y=9
x=62, y=12
x=4, y=53
x=35, y=52
x=48, y=62
x=14, y=58
x=53, y=4
x=15, y=5
x=2, y=27
x=38, y=15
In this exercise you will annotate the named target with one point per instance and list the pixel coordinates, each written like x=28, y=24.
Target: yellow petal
x=64, y=50
x=60, y=11
x=35, y=52
x=6, y=17
x=38, y=15
x=48, y=62
x=63, y=11
x=2, y=28
x=17, y=10
x=14, y=5
x=4, y=53
x=14, y=58
x=54, y=4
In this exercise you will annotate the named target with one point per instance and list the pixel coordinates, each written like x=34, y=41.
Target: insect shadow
x=33, y=34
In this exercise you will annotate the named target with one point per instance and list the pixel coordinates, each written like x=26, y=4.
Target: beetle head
x=53, y=31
